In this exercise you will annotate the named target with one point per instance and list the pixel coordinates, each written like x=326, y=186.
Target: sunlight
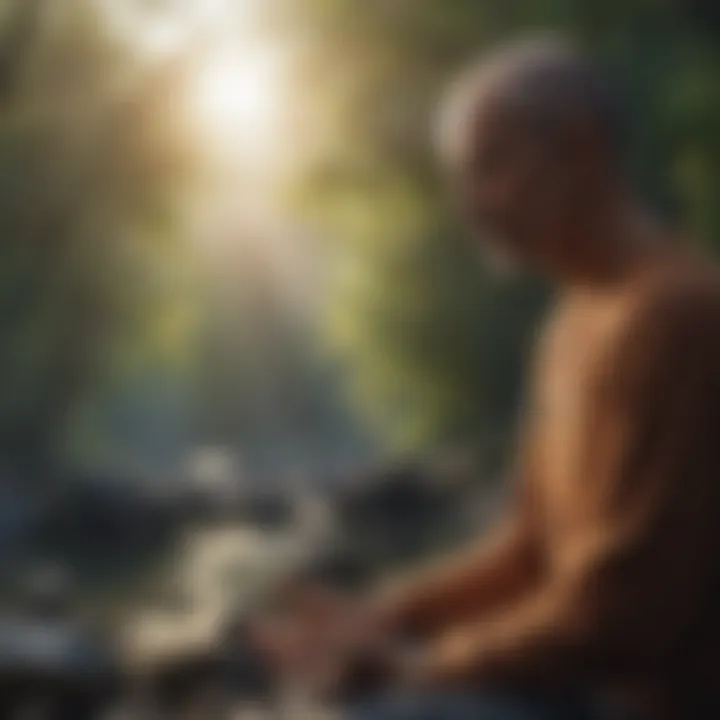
x=219, y=11
x=234, y=90
x=236, y=95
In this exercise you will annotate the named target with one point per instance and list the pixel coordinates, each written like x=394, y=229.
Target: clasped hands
x=336, y=647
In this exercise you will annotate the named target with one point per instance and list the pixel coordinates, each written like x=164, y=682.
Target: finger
x=281, y=644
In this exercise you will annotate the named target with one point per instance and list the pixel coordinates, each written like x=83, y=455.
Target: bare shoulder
x=677, y=303
x=679, y=298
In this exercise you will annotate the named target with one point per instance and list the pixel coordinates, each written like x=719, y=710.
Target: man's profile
x=604, y=579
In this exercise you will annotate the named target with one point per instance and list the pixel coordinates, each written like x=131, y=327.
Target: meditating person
x=599, y=593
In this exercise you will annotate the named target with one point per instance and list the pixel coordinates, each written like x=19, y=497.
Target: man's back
x=623, y=470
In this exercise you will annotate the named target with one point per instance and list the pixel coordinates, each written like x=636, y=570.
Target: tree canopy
x=122, y=332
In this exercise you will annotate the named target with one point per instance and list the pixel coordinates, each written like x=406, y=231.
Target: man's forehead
x=476, y=125
x=533, y=88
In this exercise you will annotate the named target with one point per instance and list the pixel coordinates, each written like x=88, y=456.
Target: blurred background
x=240, y=325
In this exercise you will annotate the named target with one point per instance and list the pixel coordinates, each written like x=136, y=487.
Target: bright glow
x=151, y=33
x=237, y=99
x=163, y=38
x=222, y=10
x=168, y=26
x=235, y=90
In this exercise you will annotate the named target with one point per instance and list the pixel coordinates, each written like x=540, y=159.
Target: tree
x=87, y=189
x=434, y=348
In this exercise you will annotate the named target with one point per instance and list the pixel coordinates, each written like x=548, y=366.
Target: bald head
x=533, y=141
x=545, y=83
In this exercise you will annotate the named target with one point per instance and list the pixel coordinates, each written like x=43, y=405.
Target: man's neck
x=617, y=240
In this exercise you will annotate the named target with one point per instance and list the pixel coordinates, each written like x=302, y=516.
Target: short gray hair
x=546, y=80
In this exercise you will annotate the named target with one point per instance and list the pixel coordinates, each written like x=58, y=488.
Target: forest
x=223, y=224
x=227, y=254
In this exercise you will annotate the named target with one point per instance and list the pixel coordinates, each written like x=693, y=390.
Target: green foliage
x=87, y=196
x=435, y=347
x=103, y=316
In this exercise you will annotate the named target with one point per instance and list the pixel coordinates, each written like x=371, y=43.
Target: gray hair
x=545, y=81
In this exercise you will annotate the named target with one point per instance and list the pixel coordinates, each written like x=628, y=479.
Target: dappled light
x=247, y=336
x=236, y=97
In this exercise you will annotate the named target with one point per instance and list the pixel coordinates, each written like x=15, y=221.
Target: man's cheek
x=494, y=219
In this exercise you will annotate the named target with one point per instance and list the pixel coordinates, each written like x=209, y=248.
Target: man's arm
x=631, y=579
x=498, y=570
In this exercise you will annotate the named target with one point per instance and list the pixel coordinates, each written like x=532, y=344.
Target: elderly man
x=604, y=581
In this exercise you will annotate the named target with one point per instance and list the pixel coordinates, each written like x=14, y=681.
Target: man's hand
x=283, y=646
x=451, y=660
x=329, y=644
